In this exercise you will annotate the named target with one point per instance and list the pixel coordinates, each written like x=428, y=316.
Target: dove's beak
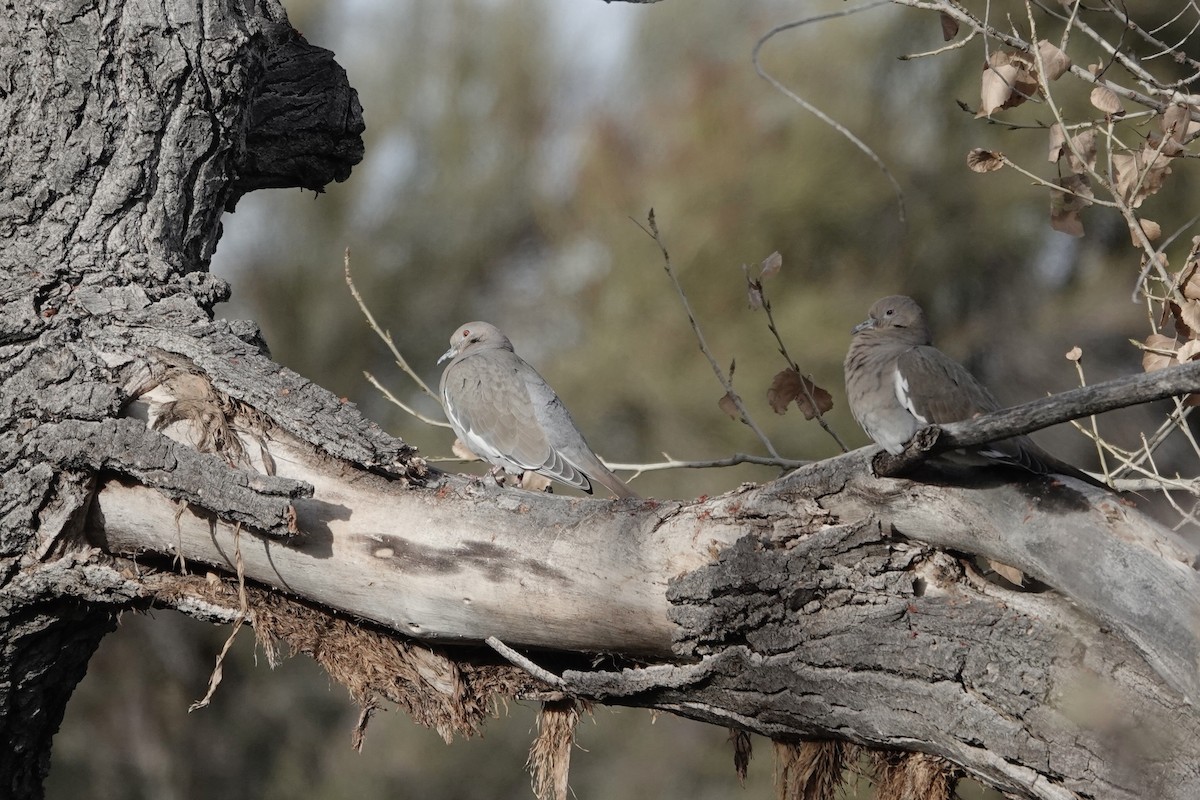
x=866, y=325
x=451, y=353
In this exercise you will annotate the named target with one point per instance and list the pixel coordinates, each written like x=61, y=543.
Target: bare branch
x=821, y=115
x=1042, y=413
x=726, y=383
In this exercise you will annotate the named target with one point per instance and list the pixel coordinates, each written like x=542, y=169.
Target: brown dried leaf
x=1107, y=101
x=949, y=26
x=1157, y=166
x=1177, y=123
x=742, y=751
x=1187, y=317
x=1188, y=279
x=1074, y=354
x=789, y=385
x=1058, y=138
x=729, y=406
x=1188, y=351
x=1150, y=228
x=771, y=265
x=1065, y=208
x=1054, y=61
x=1010, y=574
x=1152, y=360
x=1007, y=82
x=1141, y=174
x=1083, y=143
x=980, y=160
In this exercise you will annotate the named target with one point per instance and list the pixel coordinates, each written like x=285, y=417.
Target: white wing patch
x=478, y=445
x=900, y=383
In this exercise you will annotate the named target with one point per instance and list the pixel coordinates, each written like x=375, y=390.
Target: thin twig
x=729, y=461
x=516, y=659
x=385, y=336
x=726, y=383
x=672, y=463
x=395, y=400
x=821, y=115
x=1078, y=362
x=805, y=383
x=956, y=45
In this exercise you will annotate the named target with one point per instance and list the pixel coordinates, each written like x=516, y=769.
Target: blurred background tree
x=509, y=144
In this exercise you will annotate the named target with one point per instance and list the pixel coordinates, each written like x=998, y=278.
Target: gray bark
x=127, y=130
x=827, y=604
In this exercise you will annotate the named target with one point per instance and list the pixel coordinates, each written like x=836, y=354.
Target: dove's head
x=475, y=336
x=896, y=316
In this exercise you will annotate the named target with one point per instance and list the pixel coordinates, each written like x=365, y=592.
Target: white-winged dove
x=897, y=382
x=506, y=413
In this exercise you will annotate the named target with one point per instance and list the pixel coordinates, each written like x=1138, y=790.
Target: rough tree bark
x=140, y=436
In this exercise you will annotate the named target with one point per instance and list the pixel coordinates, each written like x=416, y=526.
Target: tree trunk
x=829, y=604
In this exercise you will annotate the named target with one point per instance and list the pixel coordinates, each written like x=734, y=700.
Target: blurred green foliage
x=511, y=148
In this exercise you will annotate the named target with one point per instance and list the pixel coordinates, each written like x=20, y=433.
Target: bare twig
x=821, y=115
x=1078, y=362
x=805, y=384
x=672, y=463
x=386, y=337
x=726, y=383
x=395, y=400
x=733, y=460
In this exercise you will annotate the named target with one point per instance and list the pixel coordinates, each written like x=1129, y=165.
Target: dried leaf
x=1084, y=144
x=1058, y=138
x=980, y=160
x=1150, y=228
x=1010, y=574
x=1188, y=279
x=1188, y=351
x=754, y=295
x=1152, y=360
x=1007, y=82
x=742, y=752
x=729, y=406
x=1140, y=174
x=1065, y=207
x=1107, y=101
x=1054, y=61
x=995, y=89
x=771, y=265
x=1074, y=354
x=754, y=291
x=1187, y=318
x=1177, y=123
x=789, y=386
x=949, y=27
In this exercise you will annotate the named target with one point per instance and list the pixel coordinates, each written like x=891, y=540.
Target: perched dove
x=506, y=413
x=897, y=382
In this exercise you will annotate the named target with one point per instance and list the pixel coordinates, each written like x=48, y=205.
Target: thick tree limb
x=819, y=621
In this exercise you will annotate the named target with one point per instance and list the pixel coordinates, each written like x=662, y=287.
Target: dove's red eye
x=466, y=334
